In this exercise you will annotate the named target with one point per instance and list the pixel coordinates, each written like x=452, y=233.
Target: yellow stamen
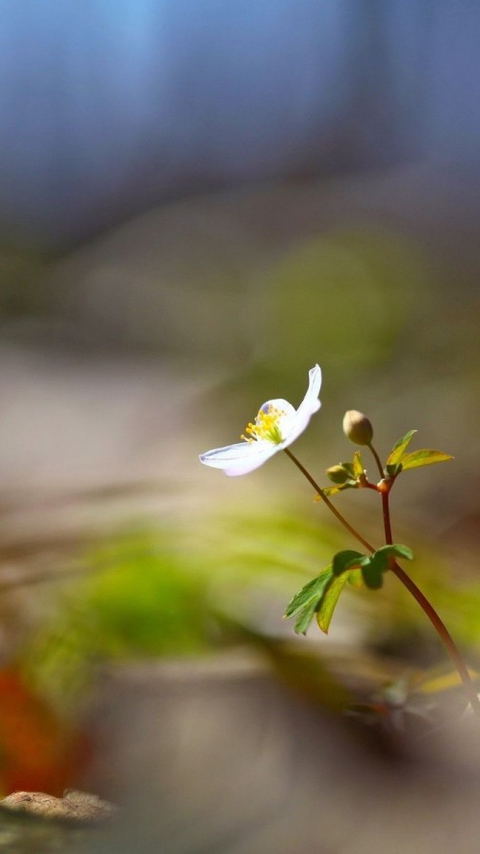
x=266, y=426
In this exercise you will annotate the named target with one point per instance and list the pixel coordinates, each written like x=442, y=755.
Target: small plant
x=275, y=428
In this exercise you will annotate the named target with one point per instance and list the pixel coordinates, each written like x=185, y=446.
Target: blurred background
x=199, y=201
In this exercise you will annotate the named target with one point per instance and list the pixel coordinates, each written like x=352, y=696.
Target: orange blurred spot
x=37, y=751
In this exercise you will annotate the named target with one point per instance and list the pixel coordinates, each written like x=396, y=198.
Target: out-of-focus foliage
x=140, y=598
x=168, y=594
x=345, y=294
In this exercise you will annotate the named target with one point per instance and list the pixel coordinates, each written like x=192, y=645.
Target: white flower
x=276, y=426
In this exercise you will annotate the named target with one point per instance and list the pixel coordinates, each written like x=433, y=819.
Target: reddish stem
x=428, y=609
x=402, y=576
x=443, y=632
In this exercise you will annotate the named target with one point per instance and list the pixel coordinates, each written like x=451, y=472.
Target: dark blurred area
x=199, y=201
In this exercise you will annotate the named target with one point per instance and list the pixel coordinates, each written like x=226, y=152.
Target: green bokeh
x=341, y=299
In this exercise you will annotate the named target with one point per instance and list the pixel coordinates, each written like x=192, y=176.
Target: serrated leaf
x=309, y=593
x=329, y=600
x=306, y=616
x=305, y=602
x=424, y=457
x=358, y=467
x=399, y=449
x=347, y=559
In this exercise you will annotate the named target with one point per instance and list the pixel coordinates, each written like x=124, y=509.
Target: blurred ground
x=224, y=759
x=159, y=340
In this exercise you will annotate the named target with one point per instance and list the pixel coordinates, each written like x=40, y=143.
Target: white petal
x=241, y=458
x=245, y=457
x=308, y=406
x=279, y=404
x=286, y=420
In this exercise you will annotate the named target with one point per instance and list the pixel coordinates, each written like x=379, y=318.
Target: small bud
x=338, y=474
x=357, y=427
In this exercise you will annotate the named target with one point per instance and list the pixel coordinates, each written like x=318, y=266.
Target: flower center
x=266, y=426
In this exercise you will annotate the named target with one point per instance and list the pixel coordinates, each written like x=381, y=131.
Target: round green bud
x=357, y=427
x=338, y=474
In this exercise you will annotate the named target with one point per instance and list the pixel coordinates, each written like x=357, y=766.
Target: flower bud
x=357, y=427
x=338, y=474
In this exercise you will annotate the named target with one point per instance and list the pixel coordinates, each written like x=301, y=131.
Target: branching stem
x=430, y=612
x=402, y=576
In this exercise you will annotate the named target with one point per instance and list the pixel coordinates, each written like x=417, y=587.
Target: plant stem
x=403, y=577
x=377, y=459
x=431, y=613
x=327, y=501
x=387, y=525
x=443, y=633
x=384, y=488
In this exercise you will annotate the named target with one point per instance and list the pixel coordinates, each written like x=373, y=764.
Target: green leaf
x=381, y=557
x=305, y=618
x=305, y=602
x=399, y=449
x=332, y=490
x=372, y=573
x=392, y=470
x=348, y=559
x=425, y=457
x=329, y=601
x=354, y=578
x=358, y=467
x=379, y=562
x=396, y=550
x=309, y=593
